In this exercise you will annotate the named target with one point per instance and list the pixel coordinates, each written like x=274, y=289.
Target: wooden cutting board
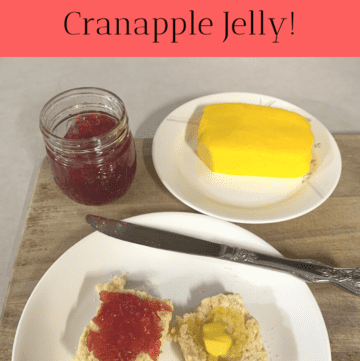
x=330, y=234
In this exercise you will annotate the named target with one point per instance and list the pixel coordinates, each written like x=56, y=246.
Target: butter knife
x=307, y=269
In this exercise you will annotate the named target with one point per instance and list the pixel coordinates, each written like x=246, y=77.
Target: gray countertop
x=327, y=88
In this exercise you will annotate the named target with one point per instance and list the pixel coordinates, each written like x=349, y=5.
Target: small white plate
x=236, y=198
x=65, y=299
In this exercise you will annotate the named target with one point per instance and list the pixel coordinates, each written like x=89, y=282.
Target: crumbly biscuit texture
x=245, y=330
x=117, y=284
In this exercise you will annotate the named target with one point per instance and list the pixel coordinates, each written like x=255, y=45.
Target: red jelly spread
x=128, y=325
x=90, y=125
x=95, y=170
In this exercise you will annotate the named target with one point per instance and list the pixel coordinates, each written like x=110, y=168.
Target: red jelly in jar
x=89, y=145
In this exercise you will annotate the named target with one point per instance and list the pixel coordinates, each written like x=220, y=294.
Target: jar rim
x=74, y=92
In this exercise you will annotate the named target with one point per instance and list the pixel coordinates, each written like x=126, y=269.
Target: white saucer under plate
x=65, y=299
x=235, y=198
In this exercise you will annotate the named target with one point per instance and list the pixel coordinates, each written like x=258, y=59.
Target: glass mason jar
x=89, y=145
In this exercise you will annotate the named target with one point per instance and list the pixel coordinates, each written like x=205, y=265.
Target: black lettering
x=107, y=26
x=192, y=22
x=276, y=31
x=156, y=28
x=145, y=32
x=127, y=26
x=226, y=25
x=252, y=22
x=66, y=20
x=174, y=28
x=234, y=25
x=201, y=25
x=262, y=23
x=86, y=23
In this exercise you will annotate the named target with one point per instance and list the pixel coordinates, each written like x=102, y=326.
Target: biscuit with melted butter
x=228, y=311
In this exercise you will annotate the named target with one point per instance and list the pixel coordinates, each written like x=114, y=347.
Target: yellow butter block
x=254, y=140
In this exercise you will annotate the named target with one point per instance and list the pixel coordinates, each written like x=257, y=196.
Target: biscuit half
x=116, y=285
x=240, y=325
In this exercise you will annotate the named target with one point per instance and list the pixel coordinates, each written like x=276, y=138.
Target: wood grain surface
x=330, y=234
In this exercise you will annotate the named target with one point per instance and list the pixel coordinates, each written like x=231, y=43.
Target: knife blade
x=311, y=271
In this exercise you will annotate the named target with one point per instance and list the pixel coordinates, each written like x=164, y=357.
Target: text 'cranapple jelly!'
x=89, y=145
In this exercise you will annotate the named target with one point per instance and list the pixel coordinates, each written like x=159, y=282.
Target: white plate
x=235, y=198
x=65, y=299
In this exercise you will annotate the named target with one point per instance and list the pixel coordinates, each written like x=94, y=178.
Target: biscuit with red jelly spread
x=130, y=325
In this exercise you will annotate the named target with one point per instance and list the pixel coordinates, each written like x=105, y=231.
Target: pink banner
x=184, y=28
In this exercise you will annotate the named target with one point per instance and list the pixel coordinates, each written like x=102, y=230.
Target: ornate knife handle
x=308, y=269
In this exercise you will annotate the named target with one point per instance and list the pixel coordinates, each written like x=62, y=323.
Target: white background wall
x=328, y=88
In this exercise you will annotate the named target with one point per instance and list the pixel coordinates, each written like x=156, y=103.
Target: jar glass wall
x=89, y=145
